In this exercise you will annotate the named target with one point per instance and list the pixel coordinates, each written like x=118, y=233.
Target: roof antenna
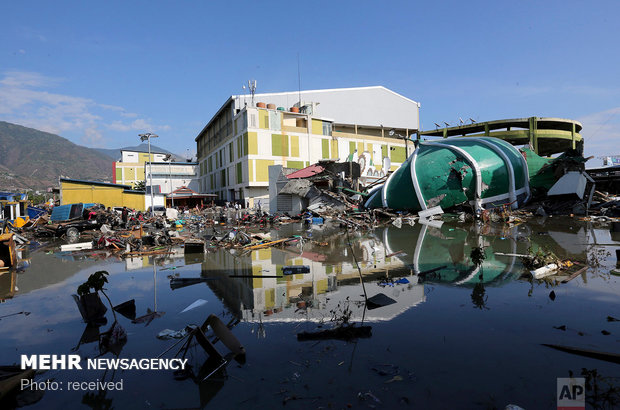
x=299, y=80
x=252, y=87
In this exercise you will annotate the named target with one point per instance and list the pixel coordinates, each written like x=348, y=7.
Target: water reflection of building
x=169, y=256
x=313, y=295
x=444, y=250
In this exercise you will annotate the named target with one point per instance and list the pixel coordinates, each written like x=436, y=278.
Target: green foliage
x=95, y=281
x=139, y=186
x=35, y=159
x=36, y=199
x=478, y=296
x=540, y=257
x=477, y=255
x=341, y=314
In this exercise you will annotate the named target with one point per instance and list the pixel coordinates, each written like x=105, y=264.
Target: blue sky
x=99, y=73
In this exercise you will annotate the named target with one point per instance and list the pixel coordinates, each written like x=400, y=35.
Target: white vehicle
x=158, y=210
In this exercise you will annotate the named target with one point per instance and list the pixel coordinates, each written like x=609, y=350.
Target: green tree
x=139, y=186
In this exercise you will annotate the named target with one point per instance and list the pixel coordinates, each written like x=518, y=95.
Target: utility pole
x=168, y=158
x=147, y=137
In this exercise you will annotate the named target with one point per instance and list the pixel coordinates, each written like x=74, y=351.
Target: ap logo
x=571, y=394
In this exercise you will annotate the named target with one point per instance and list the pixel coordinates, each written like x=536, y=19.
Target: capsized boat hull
x=483, y=172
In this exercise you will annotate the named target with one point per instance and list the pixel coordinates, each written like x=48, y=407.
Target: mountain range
x=34, y=159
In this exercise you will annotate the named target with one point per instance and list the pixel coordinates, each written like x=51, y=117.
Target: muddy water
x=454, y=336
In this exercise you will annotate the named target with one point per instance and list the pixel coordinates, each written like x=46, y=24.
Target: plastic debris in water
x=194, y=305
x=172, y=334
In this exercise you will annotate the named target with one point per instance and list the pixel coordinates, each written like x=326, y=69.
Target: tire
x=73, y=233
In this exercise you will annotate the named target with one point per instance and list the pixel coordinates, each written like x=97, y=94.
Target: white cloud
x=591, y=91
x=24, y=100
x=601, y=132
x=27, y=79
x=139, y=124
x=576, y=90
x=92, y=137
x=112, y=107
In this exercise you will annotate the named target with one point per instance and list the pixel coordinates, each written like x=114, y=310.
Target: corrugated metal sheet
x=306, y=172
x=285, y=202
x=69, y=211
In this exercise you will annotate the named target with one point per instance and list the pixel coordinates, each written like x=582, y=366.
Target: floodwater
x=455, y=337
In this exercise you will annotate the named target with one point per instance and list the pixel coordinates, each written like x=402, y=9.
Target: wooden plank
x=574, y=275
x=267, y=244
x=594, y=354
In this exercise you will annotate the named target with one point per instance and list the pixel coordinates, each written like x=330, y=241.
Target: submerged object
x=295, y=269
x=8, y=254
x=482, y=171
x=544, y=271
x=11, y=379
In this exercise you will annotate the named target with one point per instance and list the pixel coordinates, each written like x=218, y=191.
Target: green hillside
x=34, y=159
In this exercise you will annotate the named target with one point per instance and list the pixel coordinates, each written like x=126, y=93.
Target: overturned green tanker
x=483, y=172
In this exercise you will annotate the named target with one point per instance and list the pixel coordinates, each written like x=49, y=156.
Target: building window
x=325, y=149
x=279, y=145
x=397, y=154
x=253, y=120
x=327, y=128
x=265, y=119
x=239, y=172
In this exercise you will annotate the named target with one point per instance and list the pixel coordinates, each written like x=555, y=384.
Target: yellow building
x=131, y=168
x=296, y=129
x=110, y=195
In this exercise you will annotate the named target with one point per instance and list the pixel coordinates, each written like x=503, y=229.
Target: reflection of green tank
x=449, y=247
